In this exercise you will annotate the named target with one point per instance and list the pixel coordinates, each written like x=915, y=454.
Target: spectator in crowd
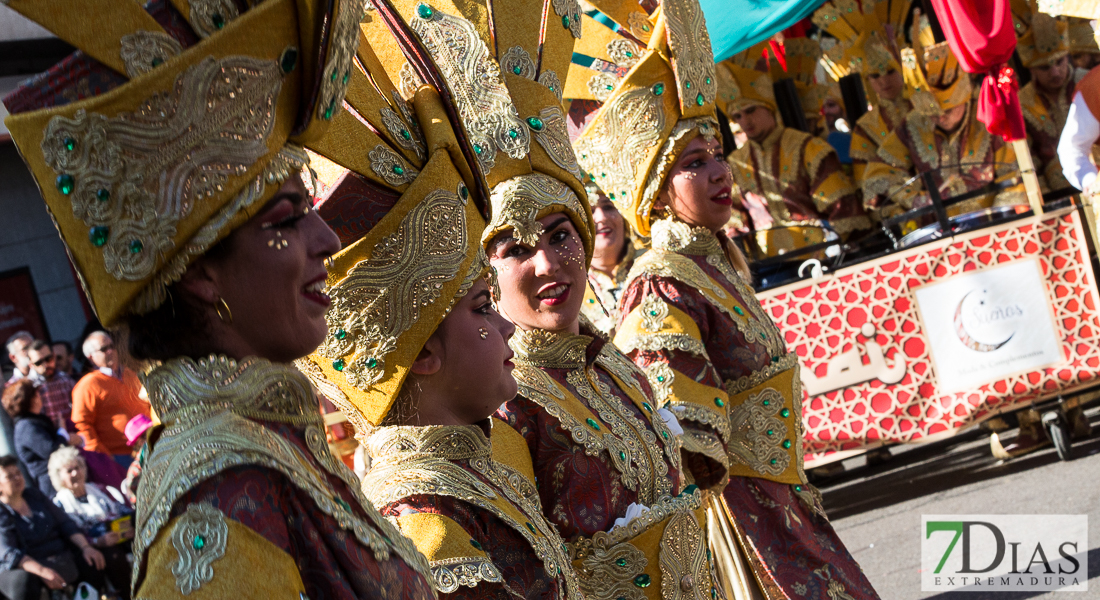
x=34, y=541
x=17, y=352
x=135, y=436
x=105, y=399
x=63, y=351
x=36, y=436
x=54, y=387
x=100, y=512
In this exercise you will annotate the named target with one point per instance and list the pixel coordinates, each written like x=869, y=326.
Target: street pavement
x=877, y=509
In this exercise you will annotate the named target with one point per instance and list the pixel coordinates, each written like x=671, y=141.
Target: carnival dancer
x=168, y=151
x=613, y=254
x=1084, y=52
x=1043, y=47
x=941, y=135
x=656, y=138
x=786, y=177
x=867, y=45
x=416, y=357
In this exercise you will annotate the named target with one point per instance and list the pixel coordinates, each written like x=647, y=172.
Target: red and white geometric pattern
x=822, y=318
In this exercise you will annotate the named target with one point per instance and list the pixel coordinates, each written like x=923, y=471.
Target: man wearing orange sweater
x=106, y=399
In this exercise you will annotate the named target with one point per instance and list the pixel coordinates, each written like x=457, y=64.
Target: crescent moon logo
x=967, y=339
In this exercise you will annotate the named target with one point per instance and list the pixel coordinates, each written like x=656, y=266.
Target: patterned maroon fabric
x=354, y=206
x=57, y=400
x=798, y=551
x=520, y=568
x=580, y=493
x=332, y=562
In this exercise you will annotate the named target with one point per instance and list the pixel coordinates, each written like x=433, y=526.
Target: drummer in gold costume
x=941, y=135
x=866, y=45
x=787, y=177
x=1043, y=46
x=169, y=152
x=1084, y=52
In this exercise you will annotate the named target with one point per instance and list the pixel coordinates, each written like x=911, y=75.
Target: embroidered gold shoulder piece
x=207, y=406
x=432, y=460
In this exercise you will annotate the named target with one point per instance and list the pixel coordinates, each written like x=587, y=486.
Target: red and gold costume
x=761, y=537
x=411, y=212
x=173, y=126
x=696, y=328
x=960, y=161
x=797, y=176
x=1043, y=40
x=608, y=465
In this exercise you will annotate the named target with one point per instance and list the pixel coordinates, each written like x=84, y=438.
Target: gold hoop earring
x=484, y=333
x=228, y=316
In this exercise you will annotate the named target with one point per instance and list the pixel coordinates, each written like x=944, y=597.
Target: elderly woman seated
x=39, y=543
x=100, y=512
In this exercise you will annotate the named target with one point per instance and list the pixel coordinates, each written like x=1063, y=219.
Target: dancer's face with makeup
x=541, y=286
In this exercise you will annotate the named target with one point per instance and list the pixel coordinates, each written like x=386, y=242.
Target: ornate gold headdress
x=864, y=44
x=484, y=127
x=933, y=73
x=665, y=100
x=741, y=84
x=173, y=125
x=1082, y=38
x=1041, y=38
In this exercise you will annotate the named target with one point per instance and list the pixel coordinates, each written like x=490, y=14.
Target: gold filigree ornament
x=663, y=102
x=389, y=291
x=520, y=202
x=148, y=173
x=518, y=61
x=685, y=572
x=145, y=50
x=199, y=537
x=482, y=99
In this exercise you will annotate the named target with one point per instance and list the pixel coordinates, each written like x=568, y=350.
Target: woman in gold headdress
x=612, y=256
x=416, y=356
x=690, y=321
x=169, y=151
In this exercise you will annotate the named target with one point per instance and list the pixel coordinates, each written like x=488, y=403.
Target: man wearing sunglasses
x=54, y=387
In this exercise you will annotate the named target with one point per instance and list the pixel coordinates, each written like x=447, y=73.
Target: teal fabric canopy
x=735, y=25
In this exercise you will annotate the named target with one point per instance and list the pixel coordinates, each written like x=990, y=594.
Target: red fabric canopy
x=981, y=36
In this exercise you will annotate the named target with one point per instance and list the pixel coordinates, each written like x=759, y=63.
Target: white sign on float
x=987, y=325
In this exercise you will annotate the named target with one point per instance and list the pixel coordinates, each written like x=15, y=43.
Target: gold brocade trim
x=336, y=75
x=382, y=297
x=631, y=446
x=404, y=133
x=408, y=461
x=1049, y=120
x=141, y=51
x=137, y=175
x=554, y=139
x=685, y=571
x=451, y=573
x=673, y=242
x=706, y=443
x=757, y=433
x=621, y=140
x=207, y=408
x=388, y=165
x=654, y=311
x=518, y=61
x=484, y=105
x=200, y=537
x=654, y=342
x=660, y=377
x=209, y=16
x=551, y=80
x=691, y=55
x=518, y=203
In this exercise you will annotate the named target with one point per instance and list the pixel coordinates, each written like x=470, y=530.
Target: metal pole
x=937, y=202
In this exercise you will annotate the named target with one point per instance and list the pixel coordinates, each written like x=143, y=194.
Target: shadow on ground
x=929, y=469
